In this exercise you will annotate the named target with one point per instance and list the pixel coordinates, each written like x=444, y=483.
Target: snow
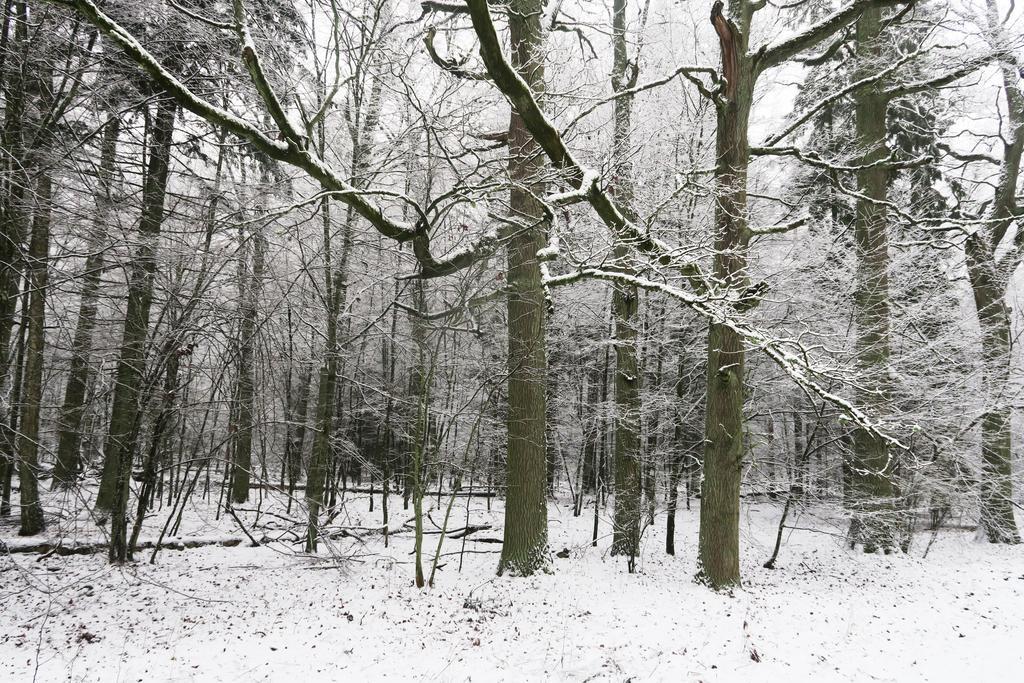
x=589, y=180
x=267, y=613
x=550, y=252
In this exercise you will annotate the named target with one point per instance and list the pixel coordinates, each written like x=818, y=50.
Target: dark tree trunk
x=625, y=305
x=13, y=180
x=250, y=290
x=872, y=472
x=121, y=436
x=10, y=426
x=989, y=279
x=718, y=545
x=525, y=547
x=28, y=434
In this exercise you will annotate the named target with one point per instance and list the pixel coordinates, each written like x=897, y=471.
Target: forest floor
x=243, y=613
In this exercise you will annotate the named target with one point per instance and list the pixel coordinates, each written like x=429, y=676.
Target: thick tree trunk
x=525, y=548
x=718, y=544
x=872, y=472
x=69, y=439
x=626, y=536
x=989, y=279
x=13, y=179
x=996, y=483
x=121, y=436
x=28, y=436
x=625, y=305
x=12, y=220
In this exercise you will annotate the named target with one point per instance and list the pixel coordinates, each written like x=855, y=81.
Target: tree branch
x=773, y=55
x=259, y=79
x=969, y=67
x=813, y=159
x=450, y=65
x=284, y=152
x=581, y=179
x=787, y=354
x=780, y=228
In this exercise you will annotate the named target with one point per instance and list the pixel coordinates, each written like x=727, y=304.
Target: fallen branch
x=62, y=550
x=302, y=487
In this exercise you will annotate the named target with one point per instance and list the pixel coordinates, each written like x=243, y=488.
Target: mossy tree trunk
x=525, y=547
x=996, y=483
x=625, y=307
x=990, y=277
x=872, y=471
x=718, y=543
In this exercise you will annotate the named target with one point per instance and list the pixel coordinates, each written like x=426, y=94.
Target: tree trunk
x=28, y=436
x=872, y=484
x=682, y=462
x=296, y=431
x=162, y=428
x=120, y=444
x=335, y=294
x=12, y=218
x=525, y=548
x=591, y=423
x=625, y=304
x=675, y=470
x=250, y=289
x=718, y=544
x=69, y=439
x=420, y=381
x=996, y=484
x=989, y=280
x=10, y=425
x=12, y=181
x=316, y=475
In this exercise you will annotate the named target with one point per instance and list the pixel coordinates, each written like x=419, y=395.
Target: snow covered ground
x=266, y=613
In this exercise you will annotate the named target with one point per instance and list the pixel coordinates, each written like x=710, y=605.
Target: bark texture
x=525, y=548
x=989, y=277
x=872, y=471
x=718, y=543
x=625, y=305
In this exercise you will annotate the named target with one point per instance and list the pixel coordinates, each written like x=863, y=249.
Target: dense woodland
x=631, y=256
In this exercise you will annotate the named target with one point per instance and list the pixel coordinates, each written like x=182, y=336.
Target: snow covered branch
x=773, y=55
x=787, y=354
x=292, y=150
x=548, y=137
x=780, y=228
x=814, y=159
